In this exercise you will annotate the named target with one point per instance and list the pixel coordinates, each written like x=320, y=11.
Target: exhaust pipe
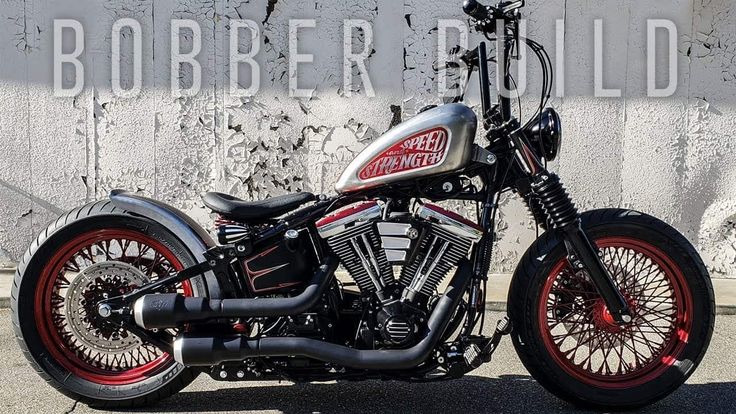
x=169, y=310
x=192, y=350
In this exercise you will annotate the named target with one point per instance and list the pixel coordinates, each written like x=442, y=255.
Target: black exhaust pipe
x=169, y=310
x=192, y=350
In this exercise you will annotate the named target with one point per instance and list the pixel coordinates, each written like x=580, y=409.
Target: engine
x=446, y=241
x=352, y=235
x=423, y=246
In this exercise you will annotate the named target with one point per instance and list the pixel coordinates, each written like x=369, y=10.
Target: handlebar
x=476, y=10
x=483, y=13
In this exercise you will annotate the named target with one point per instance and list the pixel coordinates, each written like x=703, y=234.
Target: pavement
x=498, y=287
x=503, y=385
x=6, y=282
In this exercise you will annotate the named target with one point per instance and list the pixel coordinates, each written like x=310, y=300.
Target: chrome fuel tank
x=435, y=141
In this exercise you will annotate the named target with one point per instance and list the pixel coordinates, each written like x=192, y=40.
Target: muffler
x=193, y=350
x=169, y=310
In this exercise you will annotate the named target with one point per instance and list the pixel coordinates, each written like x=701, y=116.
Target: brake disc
x=95, y=283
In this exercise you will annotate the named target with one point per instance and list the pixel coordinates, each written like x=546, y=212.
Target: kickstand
x=503, y=327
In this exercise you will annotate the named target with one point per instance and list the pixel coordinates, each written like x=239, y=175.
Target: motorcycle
x=125, y=301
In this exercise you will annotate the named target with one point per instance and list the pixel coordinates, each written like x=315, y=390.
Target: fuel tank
x=434, y=142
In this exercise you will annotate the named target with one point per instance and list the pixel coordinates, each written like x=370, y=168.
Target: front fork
x=549, y=201
x=562, y=216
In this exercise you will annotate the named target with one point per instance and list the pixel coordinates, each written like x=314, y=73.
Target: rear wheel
x=90, y=254
x=568, y=340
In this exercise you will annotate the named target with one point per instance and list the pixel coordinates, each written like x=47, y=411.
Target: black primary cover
x=281, y=266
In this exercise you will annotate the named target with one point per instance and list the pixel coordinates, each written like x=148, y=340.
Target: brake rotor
x=95, y=283
x=594, y=312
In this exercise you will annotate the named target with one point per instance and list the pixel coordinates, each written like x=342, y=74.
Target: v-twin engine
x=425, y=245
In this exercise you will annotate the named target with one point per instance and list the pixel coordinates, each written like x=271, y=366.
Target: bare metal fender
x=194, y=237
x=436, y=141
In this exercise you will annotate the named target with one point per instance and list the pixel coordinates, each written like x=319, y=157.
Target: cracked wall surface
x=670, y=157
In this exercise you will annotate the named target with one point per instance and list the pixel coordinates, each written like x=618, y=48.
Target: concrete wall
x=671, y=157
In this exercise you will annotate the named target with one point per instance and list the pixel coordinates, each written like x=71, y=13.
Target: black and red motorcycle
x=124, y=301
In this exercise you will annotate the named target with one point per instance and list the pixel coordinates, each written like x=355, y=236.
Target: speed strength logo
x=418, y=151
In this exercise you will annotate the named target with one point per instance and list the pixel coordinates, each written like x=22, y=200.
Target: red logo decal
x=422, y=150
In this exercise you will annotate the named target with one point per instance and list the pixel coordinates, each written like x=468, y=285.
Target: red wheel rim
x=582, y=338
x=106, y=245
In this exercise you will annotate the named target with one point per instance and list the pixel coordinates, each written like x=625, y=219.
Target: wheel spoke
x=586, y=337
x=104, y=267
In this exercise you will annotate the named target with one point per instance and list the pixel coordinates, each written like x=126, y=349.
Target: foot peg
x=464, y=357
x=503, y=327
x=472, y=356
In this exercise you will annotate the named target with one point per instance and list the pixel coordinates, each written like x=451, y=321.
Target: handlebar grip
x=475, y=10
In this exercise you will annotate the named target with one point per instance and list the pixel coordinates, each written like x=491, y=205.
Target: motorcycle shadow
x=508, y=394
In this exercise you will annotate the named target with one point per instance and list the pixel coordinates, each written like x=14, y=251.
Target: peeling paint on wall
x=56, y=153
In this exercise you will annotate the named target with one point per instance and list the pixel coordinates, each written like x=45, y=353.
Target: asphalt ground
x=502, y=385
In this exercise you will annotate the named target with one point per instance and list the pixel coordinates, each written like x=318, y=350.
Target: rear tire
x=568, y=341
x=52, y=335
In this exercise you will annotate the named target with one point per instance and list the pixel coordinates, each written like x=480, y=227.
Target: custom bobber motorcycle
x=124, y=301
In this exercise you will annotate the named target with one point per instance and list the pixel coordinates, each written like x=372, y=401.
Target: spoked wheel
x=583, y=337
x=569, y=341
x=90, y=254
x=88, y=268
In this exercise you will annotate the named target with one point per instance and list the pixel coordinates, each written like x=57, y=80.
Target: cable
x=516, y=88
x=546, y=68
x=547, y=82
x=547, y=76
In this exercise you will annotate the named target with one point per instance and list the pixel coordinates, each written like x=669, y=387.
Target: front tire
x=90, y=253
x=568, y=341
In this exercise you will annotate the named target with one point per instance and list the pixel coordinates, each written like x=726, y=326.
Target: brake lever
x=507, y=6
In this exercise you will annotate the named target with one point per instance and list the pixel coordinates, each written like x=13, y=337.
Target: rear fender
x=194, y=237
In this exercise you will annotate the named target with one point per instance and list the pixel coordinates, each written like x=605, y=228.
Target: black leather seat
x=255, y=211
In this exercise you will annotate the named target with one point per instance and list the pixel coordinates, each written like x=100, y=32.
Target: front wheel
x=569, y=342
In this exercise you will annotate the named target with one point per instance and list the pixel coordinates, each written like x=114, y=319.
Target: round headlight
x=545, y=134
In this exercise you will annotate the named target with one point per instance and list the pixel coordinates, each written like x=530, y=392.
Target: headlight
x=545, y=134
